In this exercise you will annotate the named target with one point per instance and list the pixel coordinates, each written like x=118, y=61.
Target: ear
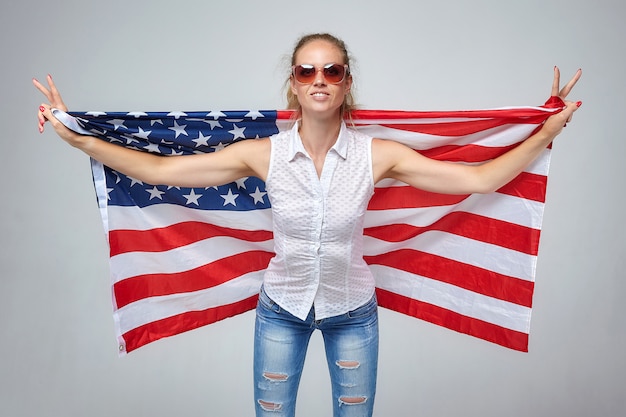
x=292, y=85
x=348, y=84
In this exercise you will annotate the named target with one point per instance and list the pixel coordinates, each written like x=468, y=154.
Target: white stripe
x=181, y=259
x=497, y=206
x=461, y=249
x=495, y=137
x=163, y=215
x=468, y=303
x=151, y=309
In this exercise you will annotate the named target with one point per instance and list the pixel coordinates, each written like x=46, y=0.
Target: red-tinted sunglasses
x=333, y=73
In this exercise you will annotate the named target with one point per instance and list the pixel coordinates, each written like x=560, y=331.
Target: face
x=320, y=96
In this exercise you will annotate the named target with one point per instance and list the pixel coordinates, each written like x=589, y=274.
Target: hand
x=54, y=101
x=554, y=124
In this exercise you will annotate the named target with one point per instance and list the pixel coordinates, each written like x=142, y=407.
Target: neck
x=319, y=134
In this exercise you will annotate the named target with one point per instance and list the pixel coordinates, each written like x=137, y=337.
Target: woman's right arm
x=242, y=159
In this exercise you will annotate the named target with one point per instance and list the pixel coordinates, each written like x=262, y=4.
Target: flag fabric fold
x=182, y=258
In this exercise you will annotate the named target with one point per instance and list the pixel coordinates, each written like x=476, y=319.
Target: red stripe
x=526, y=185
x=517, y=115
x=466, y=153
x=184, y=322
x=152, y=285
x=485, y=229
x=410, y=197
x=457, y=128
x=469, y=277
x=177, y=235
x=440, y=316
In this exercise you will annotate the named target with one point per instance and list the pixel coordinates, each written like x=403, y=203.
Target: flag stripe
x=177, y=235
x=459, y=300
x=497, y=206
x=462, y=275
x=144, y=311
x=183, y=258
x=206, y=276
x=464, y=324
x=170, y=326
x=472, y=226
x=492, y=258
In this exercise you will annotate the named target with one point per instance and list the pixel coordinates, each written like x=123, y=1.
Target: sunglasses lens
x=334, y=73
x=304, y=73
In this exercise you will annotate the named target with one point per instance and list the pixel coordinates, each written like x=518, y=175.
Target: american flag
x=182, y=258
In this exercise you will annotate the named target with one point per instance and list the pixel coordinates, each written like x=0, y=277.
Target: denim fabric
x=280, y=345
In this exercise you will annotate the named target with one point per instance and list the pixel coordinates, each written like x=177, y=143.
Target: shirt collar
x=296, y=146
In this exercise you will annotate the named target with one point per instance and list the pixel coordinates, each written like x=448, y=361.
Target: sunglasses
x=333, y=73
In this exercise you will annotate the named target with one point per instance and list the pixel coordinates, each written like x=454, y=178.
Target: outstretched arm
x=402, y=163
x=246, y=158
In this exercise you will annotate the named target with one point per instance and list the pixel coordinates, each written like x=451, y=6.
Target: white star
x=152, y=147
x=192, y=197
x=218, y=147
x=229, y=198
x=254, y=114
x=169, y=187
x=258, y=196
x=134, y=181
x=177, y=114
x=241, y=183
x=213, y=123
x=156, y=193
x=136, y=114
x=153, y=121
x=129, y=139
x=201, y=140
x=96, y=113
x=112, y=139
x=109, y=193
x=216, y=115
x=174, y=153
x=143, y=134
x=117, y=123
x=179, y=129
x=237, y=132
x=97, y=131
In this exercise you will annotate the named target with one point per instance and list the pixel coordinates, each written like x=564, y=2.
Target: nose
x=319, y=77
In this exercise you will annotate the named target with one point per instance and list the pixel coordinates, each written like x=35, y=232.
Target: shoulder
x=383, y=146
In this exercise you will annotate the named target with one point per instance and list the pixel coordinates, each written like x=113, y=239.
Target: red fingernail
x=42, y=109
x=579, y=103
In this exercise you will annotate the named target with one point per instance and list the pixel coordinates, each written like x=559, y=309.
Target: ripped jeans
x=280, y=345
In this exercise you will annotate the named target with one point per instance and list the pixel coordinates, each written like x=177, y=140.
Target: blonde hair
x=292, y=100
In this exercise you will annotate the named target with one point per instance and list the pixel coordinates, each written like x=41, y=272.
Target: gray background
x=58, y=353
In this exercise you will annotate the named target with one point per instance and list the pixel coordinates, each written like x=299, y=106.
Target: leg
x=351, y=343
x=280, y=345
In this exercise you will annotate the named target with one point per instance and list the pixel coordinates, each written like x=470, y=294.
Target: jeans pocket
x=266, y=303
x=365, y=310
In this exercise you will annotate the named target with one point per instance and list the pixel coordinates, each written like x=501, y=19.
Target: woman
x=319, y=177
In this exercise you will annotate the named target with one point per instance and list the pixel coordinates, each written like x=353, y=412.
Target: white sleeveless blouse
x=318, y=225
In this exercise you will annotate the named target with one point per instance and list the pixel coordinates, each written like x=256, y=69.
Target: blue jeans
x=280, y=344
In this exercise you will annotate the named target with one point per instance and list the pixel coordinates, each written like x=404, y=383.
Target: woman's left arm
x=402, y=163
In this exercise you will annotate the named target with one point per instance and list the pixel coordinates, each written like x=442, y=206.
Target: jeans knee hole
x=348, y=364
x=269, y=406
x=275, y=377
